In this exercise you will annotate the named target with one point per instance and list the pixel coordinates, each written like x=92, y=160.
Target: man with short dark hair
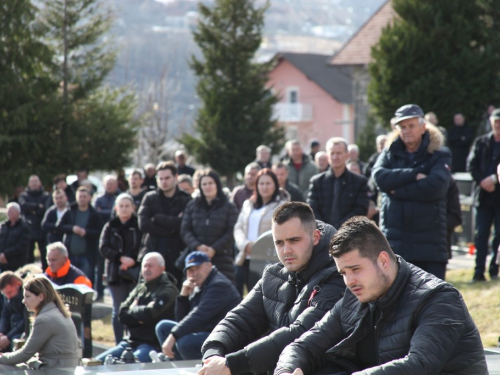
x=82, y=177
x=281, y=172
x=151, y=301
x=289, y=299
x=413, y=174
x=14, y=319
x=206, y=297
x=135, y=189
x=393, y=319
x=60, y=183
x=338, y=194
x=60, y=270
x=81, y=226
x=160, y=217
x=180, y=161
x=53, y=215
x=32, y=203
x=14, y=239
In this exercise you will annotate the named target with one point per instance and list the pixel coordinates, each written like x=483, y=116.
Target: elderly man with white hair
x=151, y=301
x=60, y=270
x=14, y=239
x=263, y=156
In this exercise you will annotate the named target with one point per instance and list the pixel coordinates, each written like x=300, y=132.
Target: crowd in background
x=175, y=210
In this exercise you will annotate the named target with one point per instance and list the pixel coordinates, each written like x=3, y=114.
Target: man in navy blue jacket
x=206, y=297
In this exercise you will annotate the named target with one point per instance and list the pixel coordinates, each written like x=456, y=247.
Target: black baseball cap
x=408, y=111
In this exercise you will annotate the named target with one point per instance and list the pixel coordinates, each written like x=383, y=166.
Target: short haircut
x=319, y=154
x=164, y=165
x=179, y=153
x=381, y=138
x=139, y=172
x=300, y=210
x=123, y=196
x=59, y=177
x=9, y=278
x=149, y=165
x=335, y=141
x=84, y=189
x=279, y=165
x=263, y=148
x=185, y=178
x=159, y=258
x=290, y=143
x=58, y=191
x=58, y=246
x=252, y=165
x=362, y=234
x=109, y=177
x=15, y=205
x=353, y=146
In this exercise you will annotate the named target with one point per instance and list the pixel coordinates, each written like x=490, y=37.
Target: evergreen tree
x=443, y=55
x=27, y=93
x=236, y=112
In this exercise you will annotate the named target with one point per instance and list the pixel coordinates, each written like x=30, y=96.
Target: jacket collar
x=432, y=140
x=115, y=222
x=61, y=272
x=397, y=287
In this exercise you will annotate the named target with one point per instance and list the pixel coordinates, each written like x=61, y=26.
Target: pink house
x=315, y=98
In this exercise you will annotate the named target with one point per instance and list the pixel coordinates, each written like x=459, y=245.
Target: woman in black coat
x=119, y=245
x=208, y=223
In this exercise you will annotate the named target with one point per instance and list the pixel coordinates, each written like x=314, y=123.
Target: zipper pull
x=315, y=291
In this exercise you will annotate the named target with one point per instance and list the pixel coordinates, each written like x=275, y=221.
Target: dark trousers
x=99, y=286
x=42, y=247
x=119, y=294
x=485, y=217
x=242, y=276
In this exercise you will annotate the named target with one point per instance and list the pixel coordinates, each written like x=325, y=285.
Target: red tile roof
x=356, y=51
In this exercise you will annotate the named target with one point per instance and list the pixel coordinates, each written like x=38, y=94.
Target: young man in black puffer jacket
x=287, y=301
x=394, y=319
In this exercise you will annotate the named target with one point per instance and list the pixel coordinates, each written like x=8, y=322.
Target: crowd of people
x=174, y=248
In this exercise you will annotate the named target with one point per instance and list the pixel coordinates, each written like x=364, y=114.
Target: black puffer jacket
x=413, y=213
x=155, y=301
x=160, y=221
x=119, y=239
x=33, y=209
x=424, y=328
x=482, y=165
x=277, y=311
x=354, y=197
x=203, y=310
x=212, y=225
x=14, y=243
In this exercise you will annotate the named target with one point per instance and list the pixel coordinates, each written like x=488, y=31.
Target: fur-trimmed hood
x=436, y=138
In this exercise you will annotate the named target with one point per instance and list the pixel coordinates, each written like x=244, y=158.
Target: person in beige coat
x=53, y=341
x=255, y=219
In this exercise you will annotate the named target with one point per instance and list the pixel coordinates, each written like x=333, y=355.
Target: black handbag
x=131, y=273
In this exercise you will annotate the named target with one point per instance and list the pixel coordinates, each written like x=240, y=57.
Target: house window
x=293, y=95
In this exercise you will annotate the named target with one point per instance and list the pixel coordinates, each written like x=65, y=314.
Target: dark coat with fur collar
x=413, y=212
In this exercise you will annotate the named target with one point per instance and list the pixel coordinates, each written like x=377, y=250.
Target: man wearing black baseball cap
x=413, y=175
x=483, y=162
x=206, y=297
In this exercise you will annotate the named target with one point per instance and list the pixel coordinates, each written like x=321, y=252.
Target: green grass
x=483, y=302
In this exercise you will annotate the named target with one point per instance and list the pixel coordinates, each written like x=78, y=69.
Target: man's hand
x=3, y=259
x=187, y=287
x=79, y=231
x=210, y=252
x=214, y=366
x=248, y=248
x=168, y=346
x=421, y=176
x=126, y=262
x=488, y=184
x=4, y=342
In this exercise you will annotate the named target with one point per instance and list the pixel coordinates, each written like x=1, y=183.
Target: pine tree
x=443, y=55
x=27, y=92
x=236, y=112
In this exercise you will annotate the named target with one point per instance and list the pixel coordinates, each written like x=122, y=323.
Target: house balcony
x=293, y=112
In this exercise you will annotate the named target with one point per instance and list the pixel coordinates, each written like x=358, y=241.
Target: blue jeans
x=141, y=352
x=187, y=347
x=82, y=262
x=485, y=217
x=119, y=294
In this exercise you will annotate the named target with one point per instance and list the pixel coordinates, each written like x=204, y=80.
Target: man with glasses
x=412, y=172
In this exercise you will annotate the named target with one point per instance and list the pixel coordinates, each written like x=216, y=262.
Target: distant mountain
x=155, y=41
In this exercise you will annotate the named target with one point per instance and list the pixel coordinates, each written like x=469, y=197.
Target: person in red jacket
x=60, y=270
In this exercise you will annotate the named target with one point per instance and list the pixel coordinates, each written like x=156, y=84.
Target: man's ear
x=316, y=236
x=384, y=260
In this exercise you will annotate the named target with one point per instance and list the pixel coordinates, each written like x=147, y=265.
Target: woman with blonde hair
x=53, y=341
